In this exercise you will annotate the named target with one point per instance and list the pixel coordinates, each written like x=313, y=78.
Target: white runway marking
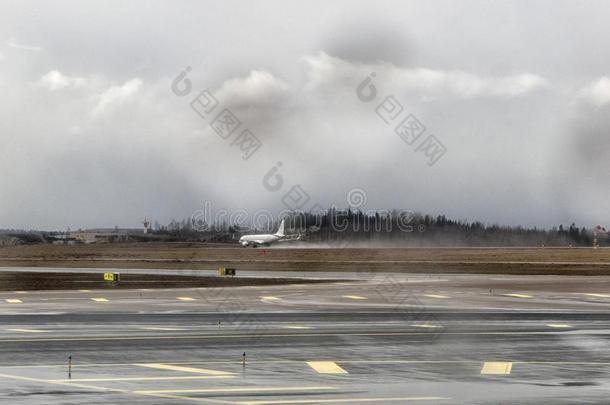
x=342, y=400
x=427, y=325
x=172, y=378
x=28, y=330
x=162, y=366
x=517, y=295
x=237, y=389
x=161, y=328
x=13, y=301
x=598, y=295
x=268, y=299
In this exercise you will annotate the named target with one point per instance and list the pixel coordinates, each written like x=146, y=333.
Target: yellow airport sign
x=111, y=277
x=226, y=271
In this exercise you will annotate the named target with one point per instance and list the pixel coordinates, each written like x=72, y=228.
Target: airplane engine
x=244, y=243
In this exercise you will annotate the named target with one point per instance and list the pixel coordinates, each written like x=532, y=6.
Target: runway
x=381, y=338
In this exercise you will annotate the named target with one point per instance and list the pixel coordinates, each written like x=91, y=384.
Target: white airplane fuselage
x=263, y=239
x=258, y=240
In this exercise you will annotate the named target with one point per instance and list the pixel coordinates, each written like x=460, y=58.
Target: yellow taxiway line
x=355, y=297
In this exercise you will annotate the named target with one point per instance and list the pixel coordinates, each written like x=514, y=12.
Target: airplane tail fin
x=280, y=230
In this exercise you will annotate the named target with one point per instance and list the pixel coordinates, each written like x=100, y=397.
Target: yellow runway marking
x=118, y=379
x=21, y=292
x=326, y=367
x=162, y=328
x=436, y=296
x=161, y=366
x=296, y=327
x=518, y=295
x=342, y=400
x=99, y=299
x=497, y=367
x=185, y=298
x=85, y=291
x=558, y=325
x=355, y=297
x=13, y=301
x=598, y=295
x=236, y=389
x=28, y=330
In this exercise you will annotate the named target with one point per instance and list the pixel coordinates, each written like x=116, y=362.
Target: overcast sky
x=517, y=93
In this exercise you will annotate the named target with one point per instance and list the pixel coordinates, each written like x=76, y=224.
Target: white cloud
x=55, y=80
x=26, y=47
x=467, y=85
x=596, y=92
x=323, y=69
x=116, y=95
x=258, y=88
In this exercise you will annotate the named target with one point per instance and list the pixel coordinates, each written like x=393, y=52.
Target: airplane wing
x=290, y=238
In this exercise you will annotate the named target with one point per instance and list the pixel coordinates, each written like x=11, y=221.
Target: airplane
x=267, y=239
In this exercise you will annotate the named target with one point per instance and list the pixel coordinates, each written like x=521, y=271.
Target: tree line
x=393, y=227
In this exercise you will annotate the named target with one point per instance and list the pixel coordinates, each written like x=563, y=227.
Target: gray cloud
x=93, y=136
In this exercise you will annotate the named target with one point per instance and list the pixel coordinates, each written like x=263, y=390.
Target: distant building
x=95, y=236
x=146, y=224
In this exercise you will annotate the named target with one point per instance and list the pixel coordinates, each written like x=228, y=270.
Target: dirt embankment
x=418, y=260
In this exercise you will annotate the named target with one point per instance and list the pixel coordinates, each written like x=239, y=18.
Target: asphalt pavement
x=379, y=338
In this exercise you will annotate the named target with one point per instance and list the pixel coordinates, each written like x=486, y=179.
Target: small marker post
x=70, y=367
x=243, y=359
